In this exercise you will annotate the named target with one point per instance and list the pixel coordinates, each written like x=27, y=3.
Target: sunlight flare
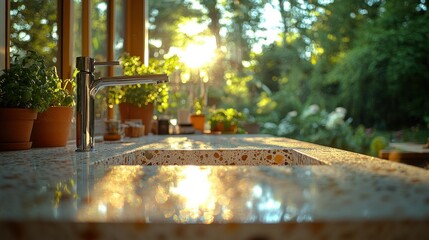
x=197, y=54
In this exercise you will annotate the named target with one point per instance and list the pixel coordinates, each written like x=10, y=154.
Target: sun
x=199, y=53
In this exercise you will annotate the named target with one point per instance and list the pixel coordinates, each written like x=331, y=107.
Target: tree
x=165, y=17
x=332, y=36
x=244, y=19
x=384, y=79
x=34, y=27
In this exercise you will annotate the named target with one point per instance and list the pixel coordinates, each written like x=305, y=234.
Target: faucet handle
x=88, y=64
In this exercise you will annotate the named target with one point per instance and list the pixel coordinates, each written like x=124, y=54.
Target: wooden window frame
x=4, y=31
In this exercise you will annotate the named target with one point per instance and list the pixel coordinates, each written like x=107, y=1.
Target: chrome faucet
x=88, y=86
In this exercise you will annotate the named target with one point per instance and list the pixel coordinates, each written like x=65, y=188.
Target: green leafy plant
x=143, y=94
x=62, y=91
x=28, y=83
x=198, y=106
x=316, y=125
x=378, y=143
x=228, y=117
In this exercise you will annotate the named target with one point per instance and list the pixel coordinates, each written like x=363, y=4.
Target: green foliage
x=143, y=94
x=62, y=91
x=378, y=143
x=29, y=83
x=164, y=19
x=245, y=17
x=34, y=26
x=417, y=134
x=370, y=57
x=236, y=92
x=326, y=128
x=388, y=68
x=98, y=30
x=198, y=106
x=228, y=117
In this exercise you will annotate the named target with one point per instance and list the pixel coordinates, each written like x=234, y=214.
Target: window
x=63, y=30
x=40, y=25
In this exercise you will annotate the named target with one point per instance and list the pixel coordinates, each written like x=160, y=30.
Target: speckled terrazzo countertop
x=209, y=187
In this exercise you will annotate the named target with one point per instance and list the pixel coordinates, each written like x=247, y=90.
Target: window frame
x=4, y=31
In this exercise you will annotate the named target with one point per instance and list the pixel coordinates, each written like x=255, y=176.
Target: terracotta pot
x=198, y=121
x=16, y=125
x=232, y=129
x=52, y=127
x=145, y=113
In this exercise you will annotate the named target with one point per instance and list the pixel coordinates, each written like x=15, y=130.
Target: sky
x=272, y=24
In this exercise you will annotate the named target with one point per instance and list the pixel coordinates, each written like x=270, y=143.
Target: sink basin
x=196, y=186
x=224, y=157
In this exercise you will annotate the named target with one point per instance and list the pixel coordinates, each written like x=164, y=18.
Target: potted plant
x=52, y=127
x=24, y=91
x=198, y=119
x=225, y=120
x=139, y=101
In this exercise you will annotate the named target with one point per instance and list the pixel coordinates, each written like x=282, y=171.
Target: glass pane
x=34, y=26
x=99, y=50
x=99, y=30
x=77, y=30
x=118, y=46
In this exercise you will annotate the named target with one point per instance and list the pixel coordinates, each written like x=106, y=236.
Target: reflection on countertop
x=232, y=194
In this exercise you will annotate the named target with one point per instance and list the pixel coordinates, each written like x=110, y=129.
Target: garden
x=347, y=74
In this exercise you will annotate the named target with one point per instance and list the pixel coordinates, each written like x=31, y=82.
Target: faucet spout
x=127, y=80
x=87, y=88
